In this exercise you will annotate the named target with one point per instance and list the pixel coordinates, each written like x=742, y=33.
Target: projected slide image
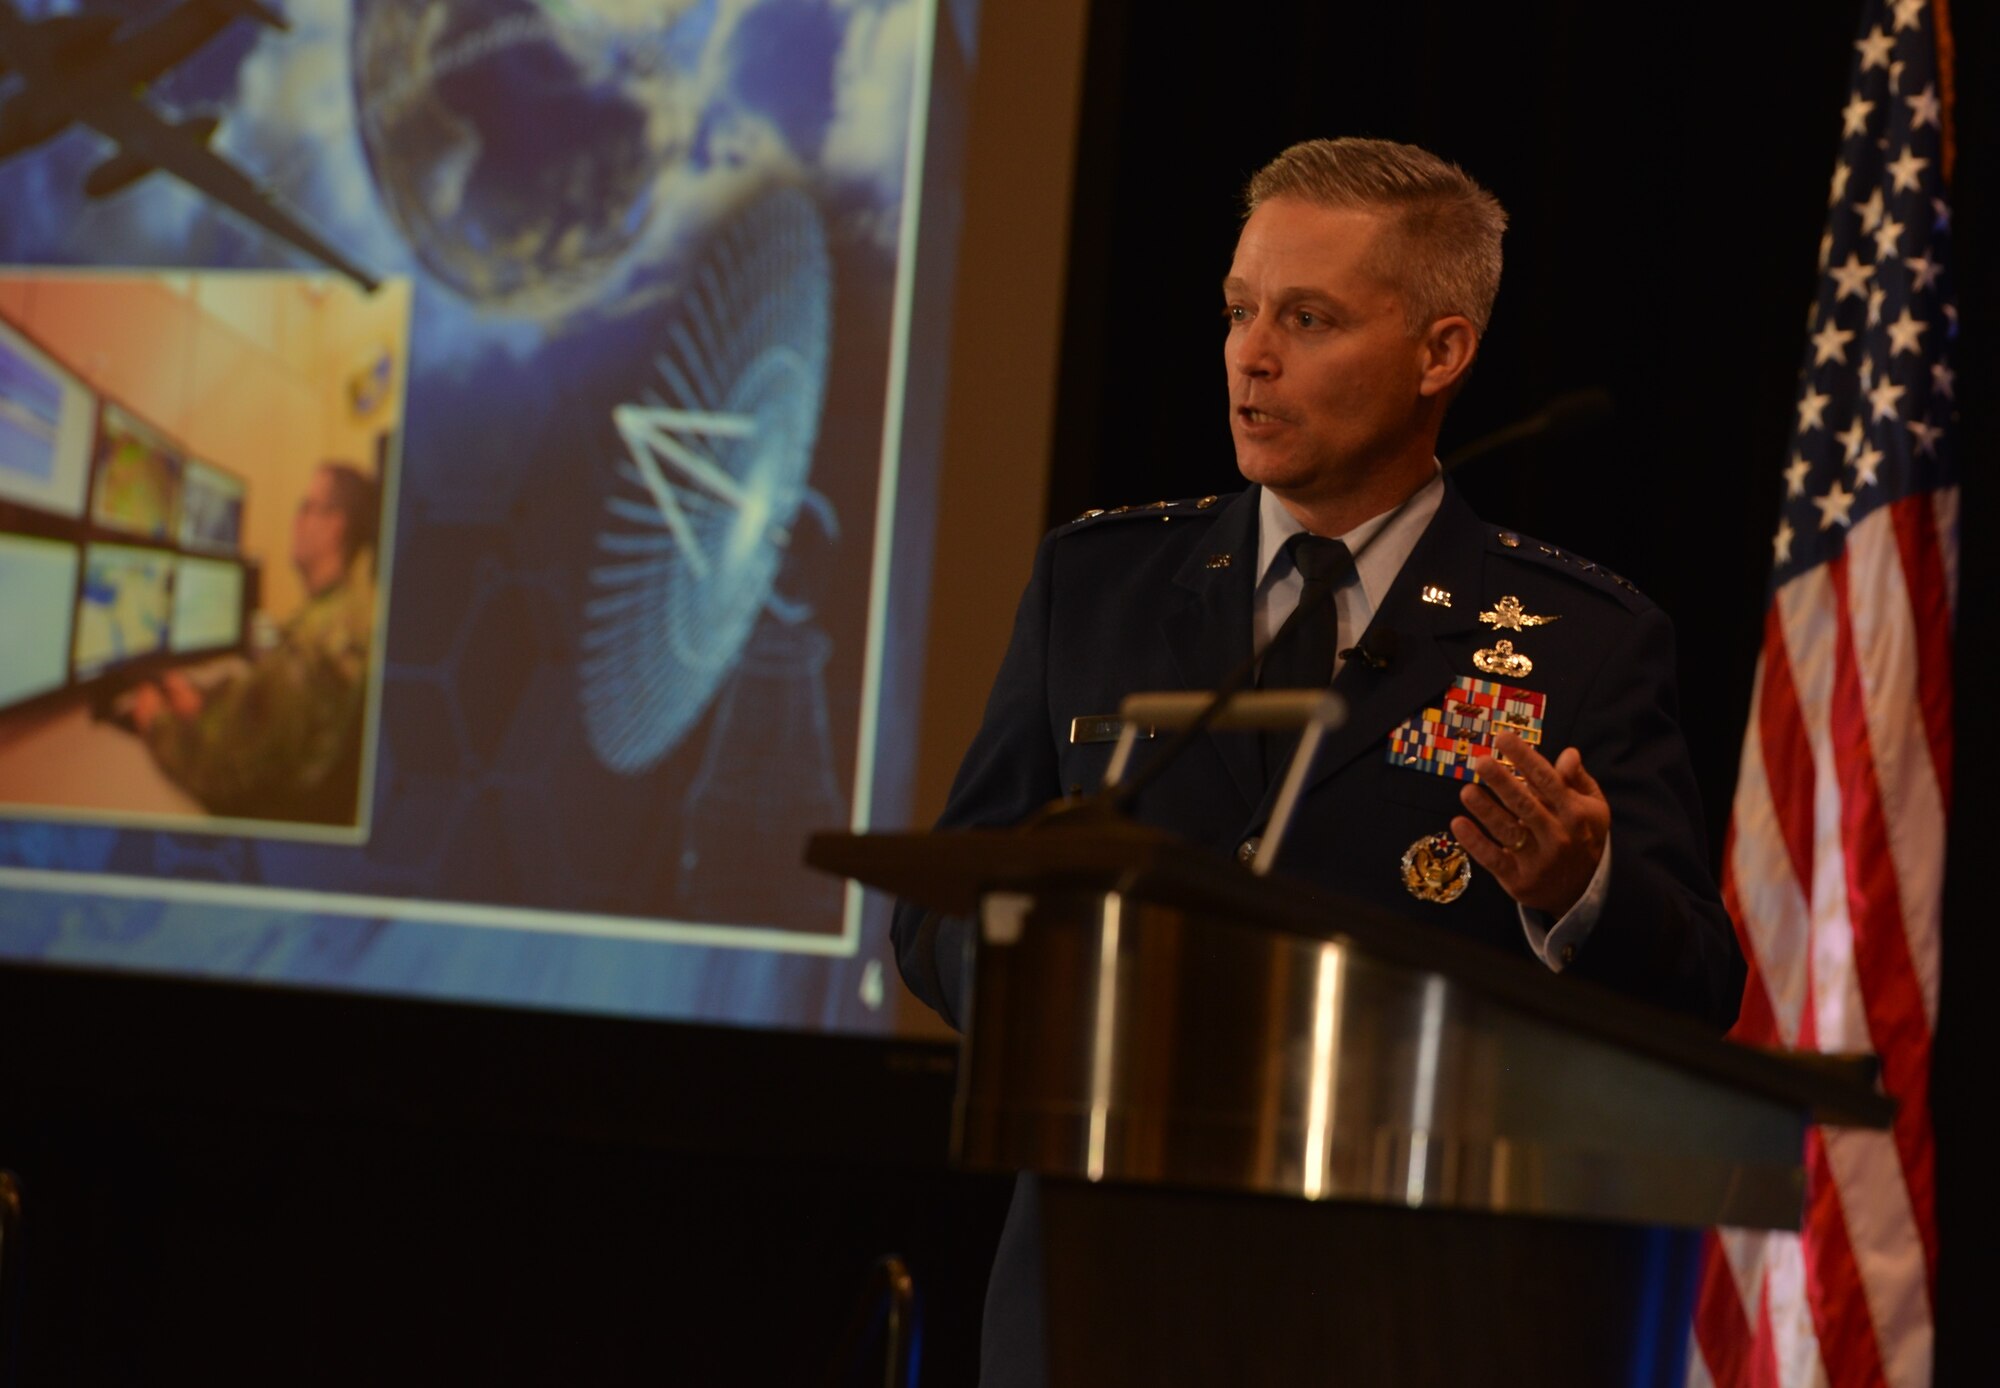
x=37, y=589
x=44, y=428
x=643, y=602
x=211, y=509
x=208, y=605
x=138, y=478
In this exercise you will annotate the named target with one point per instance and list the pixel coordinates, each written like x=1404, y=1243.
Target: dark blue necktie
x=1300, y=656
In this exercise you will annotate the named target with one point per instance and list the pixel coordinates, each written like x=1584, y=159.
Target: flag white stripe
x=1771, y=904
x=1697, y=1375
x=1888, y=656
x=1793, y=1339
x=1744, y=1250
x=1808, y=621
x=1881, y=1226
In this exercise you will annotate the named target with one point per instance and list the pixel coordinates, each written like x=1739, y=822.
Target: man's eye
x=1306, y=318
x=1235, y=313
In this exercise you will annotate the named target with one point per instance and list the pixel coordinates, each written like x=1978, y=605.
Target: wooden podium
x=1286, y=1141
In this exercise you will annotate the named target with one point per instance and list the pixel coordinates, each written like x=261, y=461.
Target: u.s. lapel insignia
x=1501, y=658
x=1507, y=615
x=1436, y=868
x=1435, y=596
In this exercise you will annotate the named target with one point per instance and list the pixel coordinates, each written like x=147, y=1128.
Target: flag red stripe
x=1757, y=1023
x=1721, y=1330
x=1947, y=65
x=1841, y=1318
x=1764, y=1349
x=1788, y=760
x=1894, y=1003
x=1930, y=613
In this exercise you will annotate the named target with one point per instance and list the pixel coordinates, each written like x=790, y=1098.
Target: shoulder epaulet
x=1156, y=510
x=1516, y=546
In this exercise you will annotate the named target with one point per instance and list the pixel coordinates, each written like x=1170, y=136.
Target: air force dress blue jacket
x=1159, y=598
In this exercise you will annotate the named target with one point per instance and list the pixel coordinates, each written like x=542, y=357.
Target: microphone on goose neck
x=1376, y=650
x=1117, y=800
x=1573, y=412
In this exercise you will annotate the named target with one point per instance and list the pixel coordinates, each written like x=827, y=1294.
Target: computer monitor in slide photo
x=125, y=607
x=37, y=588
x=208, y=605
x=138, y=484
x=211, y=509
x=46, y=417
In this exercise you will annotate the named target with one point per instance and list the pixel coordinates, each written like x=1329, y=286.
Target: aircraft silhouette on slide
x=92, y=70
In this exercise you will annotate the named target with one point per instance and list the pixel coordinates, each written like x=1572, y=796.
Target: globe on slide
x=516, y=144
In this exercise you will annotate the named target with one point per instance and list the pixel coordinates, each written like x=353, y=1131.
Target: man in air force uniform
x=1361, y=283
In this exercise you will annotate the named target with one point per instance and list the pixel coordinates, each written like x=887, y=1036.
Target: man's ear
x=1449, y=346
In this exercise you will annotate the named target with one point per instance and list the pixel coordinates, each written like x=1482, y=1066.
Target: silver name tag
x=1099, y=727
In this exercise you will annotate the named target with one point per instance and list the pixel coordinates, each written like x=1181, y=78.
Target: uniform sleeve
x=1662, y=933
x=1556, y=941
x=268, y=735
x=1009, y=772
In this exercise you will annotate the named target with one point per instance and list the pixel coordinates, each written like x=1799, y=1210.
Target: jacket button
x=1246, y=851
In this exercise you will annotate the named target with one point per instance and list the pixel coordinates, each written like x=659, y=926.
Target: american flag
x=1834, y=866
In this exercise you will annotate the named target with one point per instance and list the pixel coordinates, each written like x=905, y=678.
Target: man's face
x=318, y=529
x=1323, y=373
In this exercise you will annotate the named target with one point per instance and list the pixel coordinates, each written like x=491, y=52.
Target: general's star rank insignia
x=1443, y=741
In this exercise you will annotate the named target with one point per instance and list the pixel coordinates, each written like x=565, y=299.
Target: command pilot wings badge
x=1506, y=615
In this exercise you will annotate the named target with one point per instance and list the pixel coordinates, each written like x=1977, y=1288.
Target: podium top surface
x=951, y=870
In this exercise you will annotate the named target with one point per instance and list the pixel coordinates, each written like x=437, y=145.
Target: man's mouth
x=1250, y=414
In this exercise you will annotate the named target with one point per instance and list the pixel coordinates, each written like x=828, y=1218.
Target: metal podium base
x=1151, y=1287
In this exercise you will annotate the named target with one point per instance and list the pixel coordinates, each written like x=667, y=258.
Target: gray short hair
x=1443, y=250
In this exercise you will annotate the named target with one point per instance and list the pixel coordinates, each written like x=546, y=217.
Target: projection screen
x=474, y=465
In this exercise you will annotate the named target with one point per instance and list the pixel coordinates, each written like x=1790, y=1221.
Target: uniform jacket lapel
x=1207, y=626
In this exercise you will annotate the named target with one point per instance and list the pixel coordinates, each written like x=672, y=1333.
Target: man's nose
x=1252, y=350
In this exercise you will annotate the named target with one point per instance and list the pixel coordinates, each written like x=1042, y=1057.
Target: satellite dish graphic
x=700, y=509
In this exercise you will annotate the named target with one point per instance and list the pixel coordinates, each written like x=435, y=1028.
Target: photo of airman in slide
x=280, y=738
x=192, y=506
